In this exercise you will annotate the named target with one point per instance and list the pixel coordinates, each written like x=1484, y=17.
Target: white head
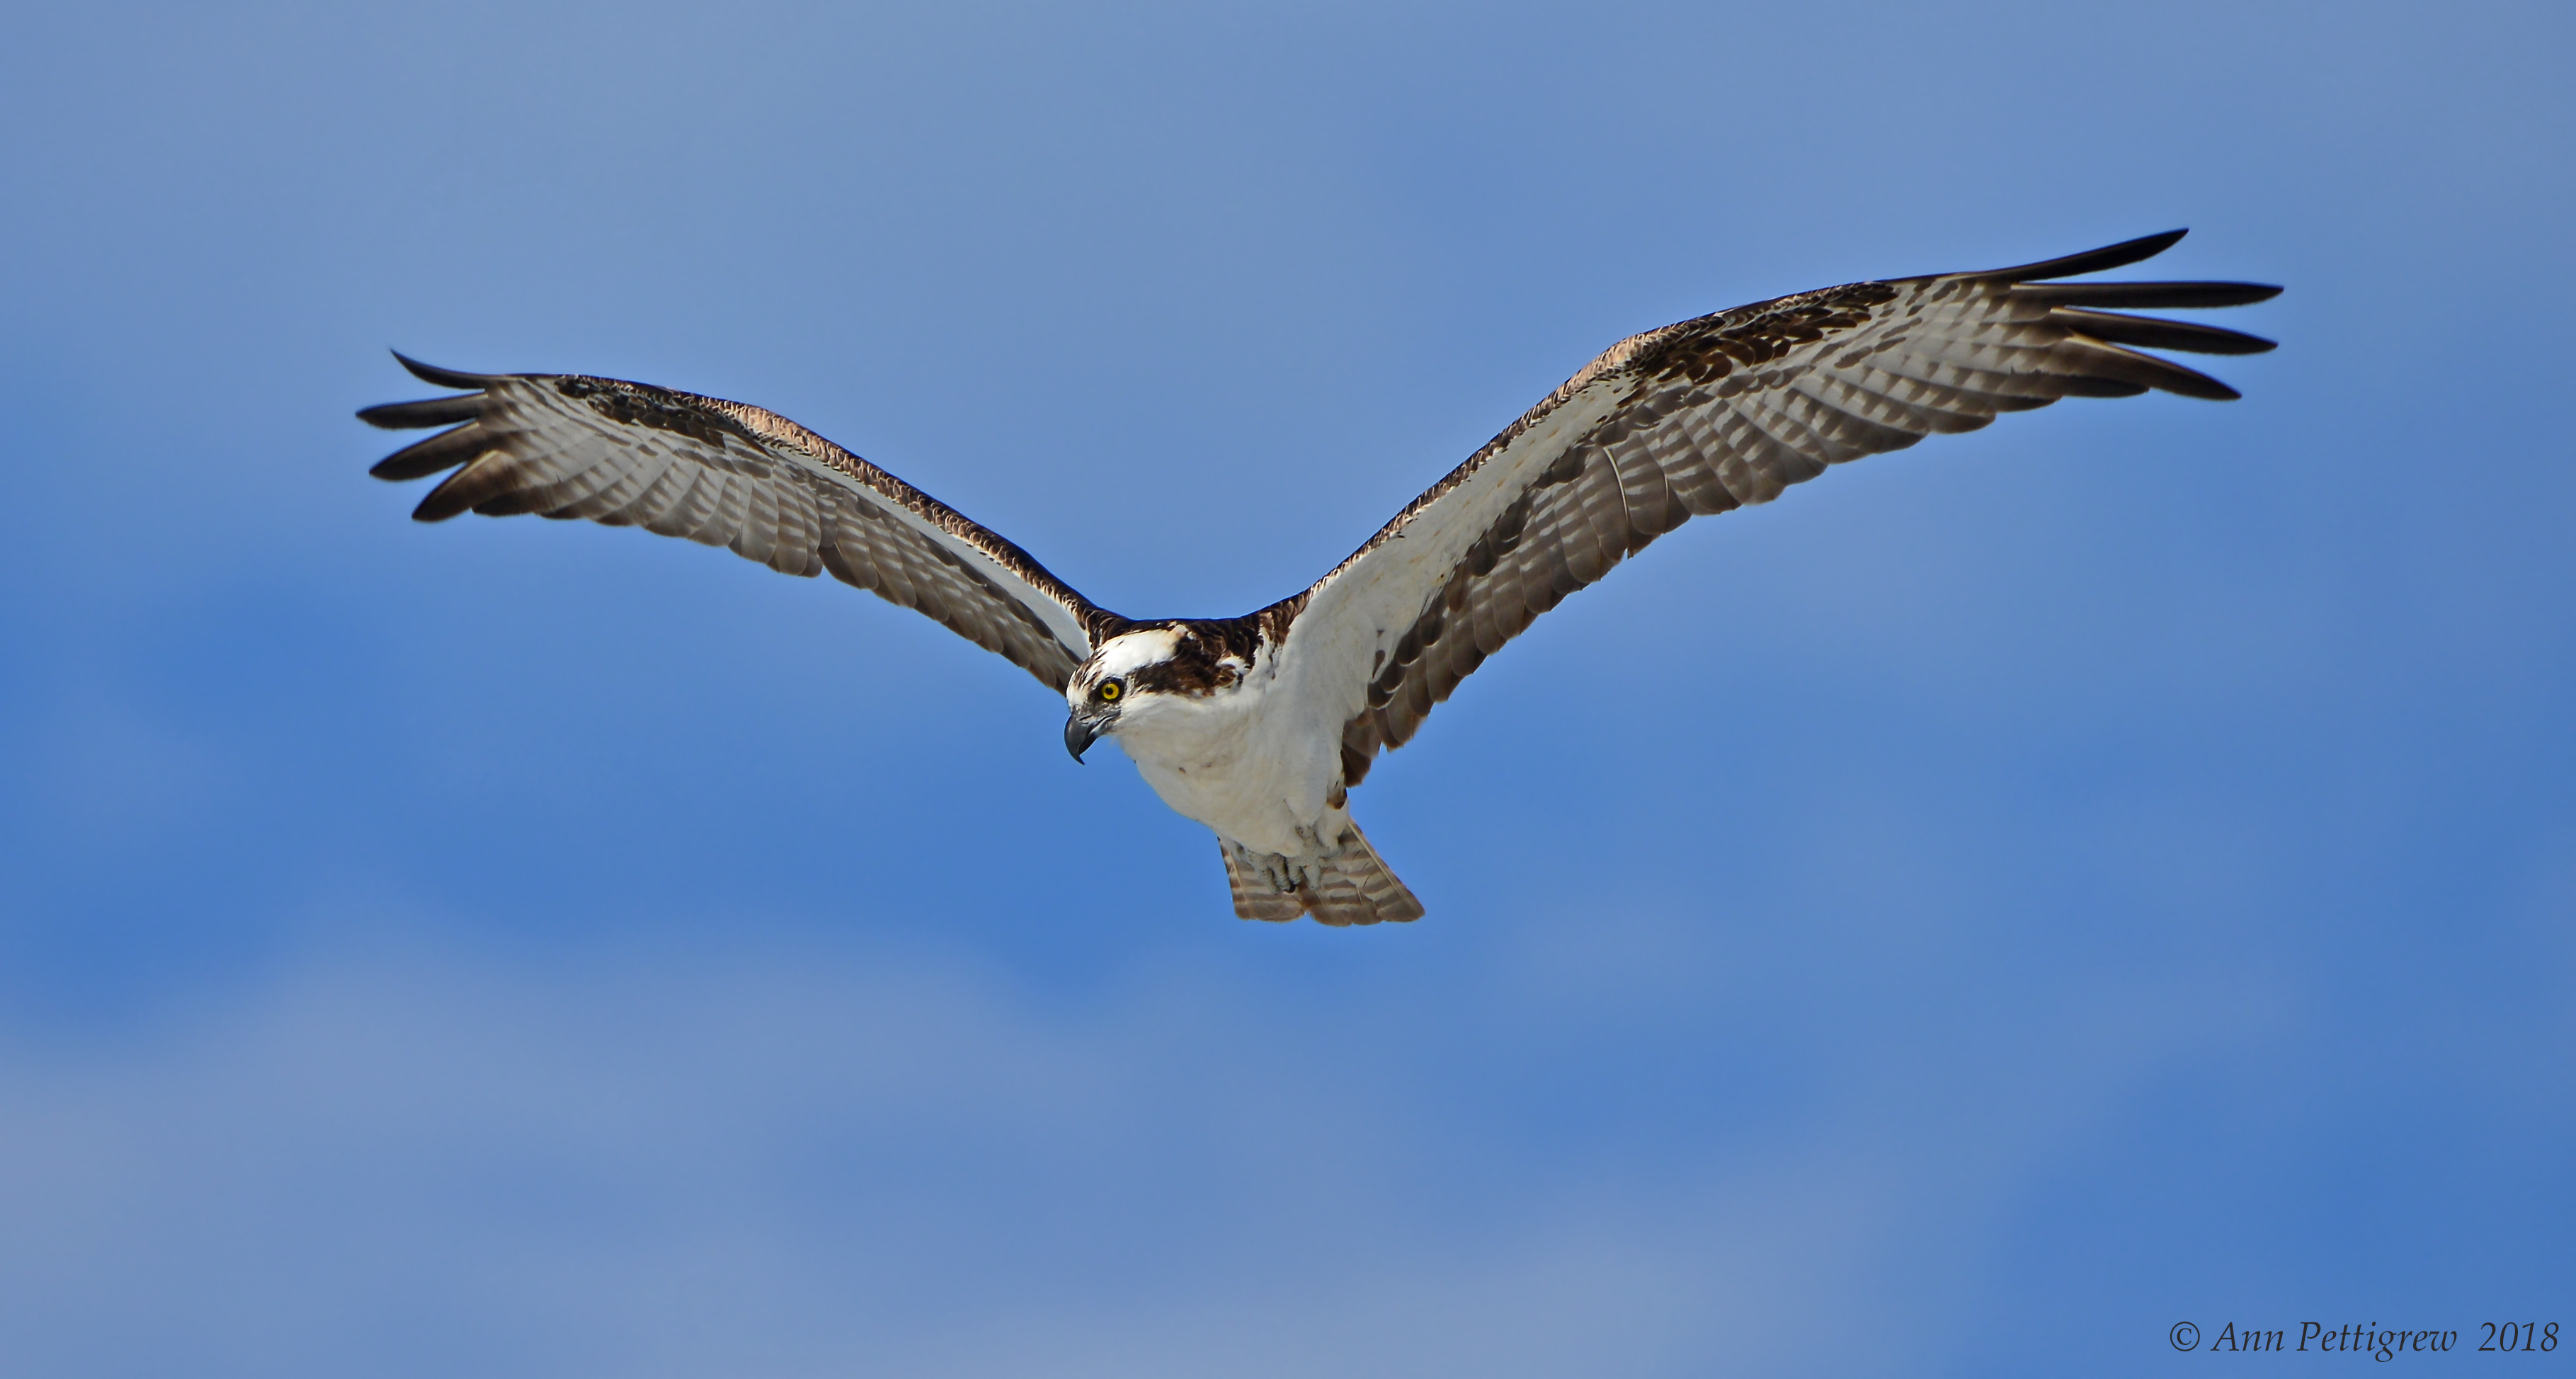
x=1134, y=671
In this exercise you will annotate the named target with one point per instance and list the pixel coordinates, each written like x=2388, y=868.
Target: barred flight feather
x=1693, y=419
x=723, y=474
x=1727, y=411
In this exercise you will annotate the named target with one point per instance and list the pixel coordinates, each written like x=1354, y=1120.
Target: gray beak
x=1078, y=735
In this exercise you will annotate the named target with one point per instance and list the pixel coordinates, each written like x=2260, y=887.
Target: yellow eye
x=1109, y=691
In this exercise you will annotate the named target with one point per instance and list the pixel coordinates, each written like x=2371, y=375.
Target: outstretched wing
x=723, y=474
x=1701, y=417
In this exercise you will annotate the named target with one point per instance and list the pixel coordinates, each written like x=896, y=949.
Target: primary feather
x=1258, y=725
x=725, y=474
x=1708, y=415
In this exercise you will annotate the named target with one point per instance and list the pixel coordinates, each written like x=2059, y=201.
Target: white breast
x=1239, y=761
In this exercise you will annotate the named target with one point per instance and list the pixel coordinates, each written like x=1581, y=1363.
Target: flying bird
x=1258, y=726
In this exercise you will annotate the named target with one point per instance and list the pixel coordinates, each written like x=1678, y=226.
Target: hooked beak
x=1078, y=736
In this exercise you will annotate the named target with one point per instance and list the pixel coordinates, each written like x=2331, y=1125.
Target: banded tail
x=1348, y=885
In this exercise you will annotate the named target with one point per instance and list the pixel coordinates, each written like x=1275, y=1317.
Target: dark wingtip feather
x=445, y=501
x=446, y=378
x=2099, y=358
x=412, y=416
x=2079, y=386
x=446, y=450
x=2161, y=296
x=2157, y=334
x=2107, y=257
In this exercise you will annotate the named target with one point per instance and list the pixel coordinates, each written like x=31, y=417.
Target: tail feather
x=1354, y=886
x=1254, y=896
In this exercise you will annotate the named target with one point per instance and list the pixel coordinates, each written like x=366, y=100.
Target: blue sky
x=1997, y=902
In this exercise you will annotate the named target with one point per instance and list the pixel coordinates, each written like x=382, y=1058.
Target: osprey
x=1259, y=725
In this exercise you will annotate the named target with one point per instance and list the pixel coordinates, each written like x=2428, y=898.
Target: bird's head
x=1136, y=676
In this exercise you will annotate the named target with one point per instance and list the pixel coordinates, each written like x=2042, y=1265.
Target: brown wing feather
x=725, y=474
x=1728, y=410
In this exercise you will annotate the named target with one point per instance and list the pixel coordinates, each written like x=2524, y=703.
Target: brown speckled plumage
x=1696, y=418
x=1730, y=409
x=722, y=473
x=1208, y=655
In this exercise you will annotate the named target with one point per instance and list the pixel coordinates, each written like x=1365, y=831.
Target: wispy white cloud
x=809, y=1158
